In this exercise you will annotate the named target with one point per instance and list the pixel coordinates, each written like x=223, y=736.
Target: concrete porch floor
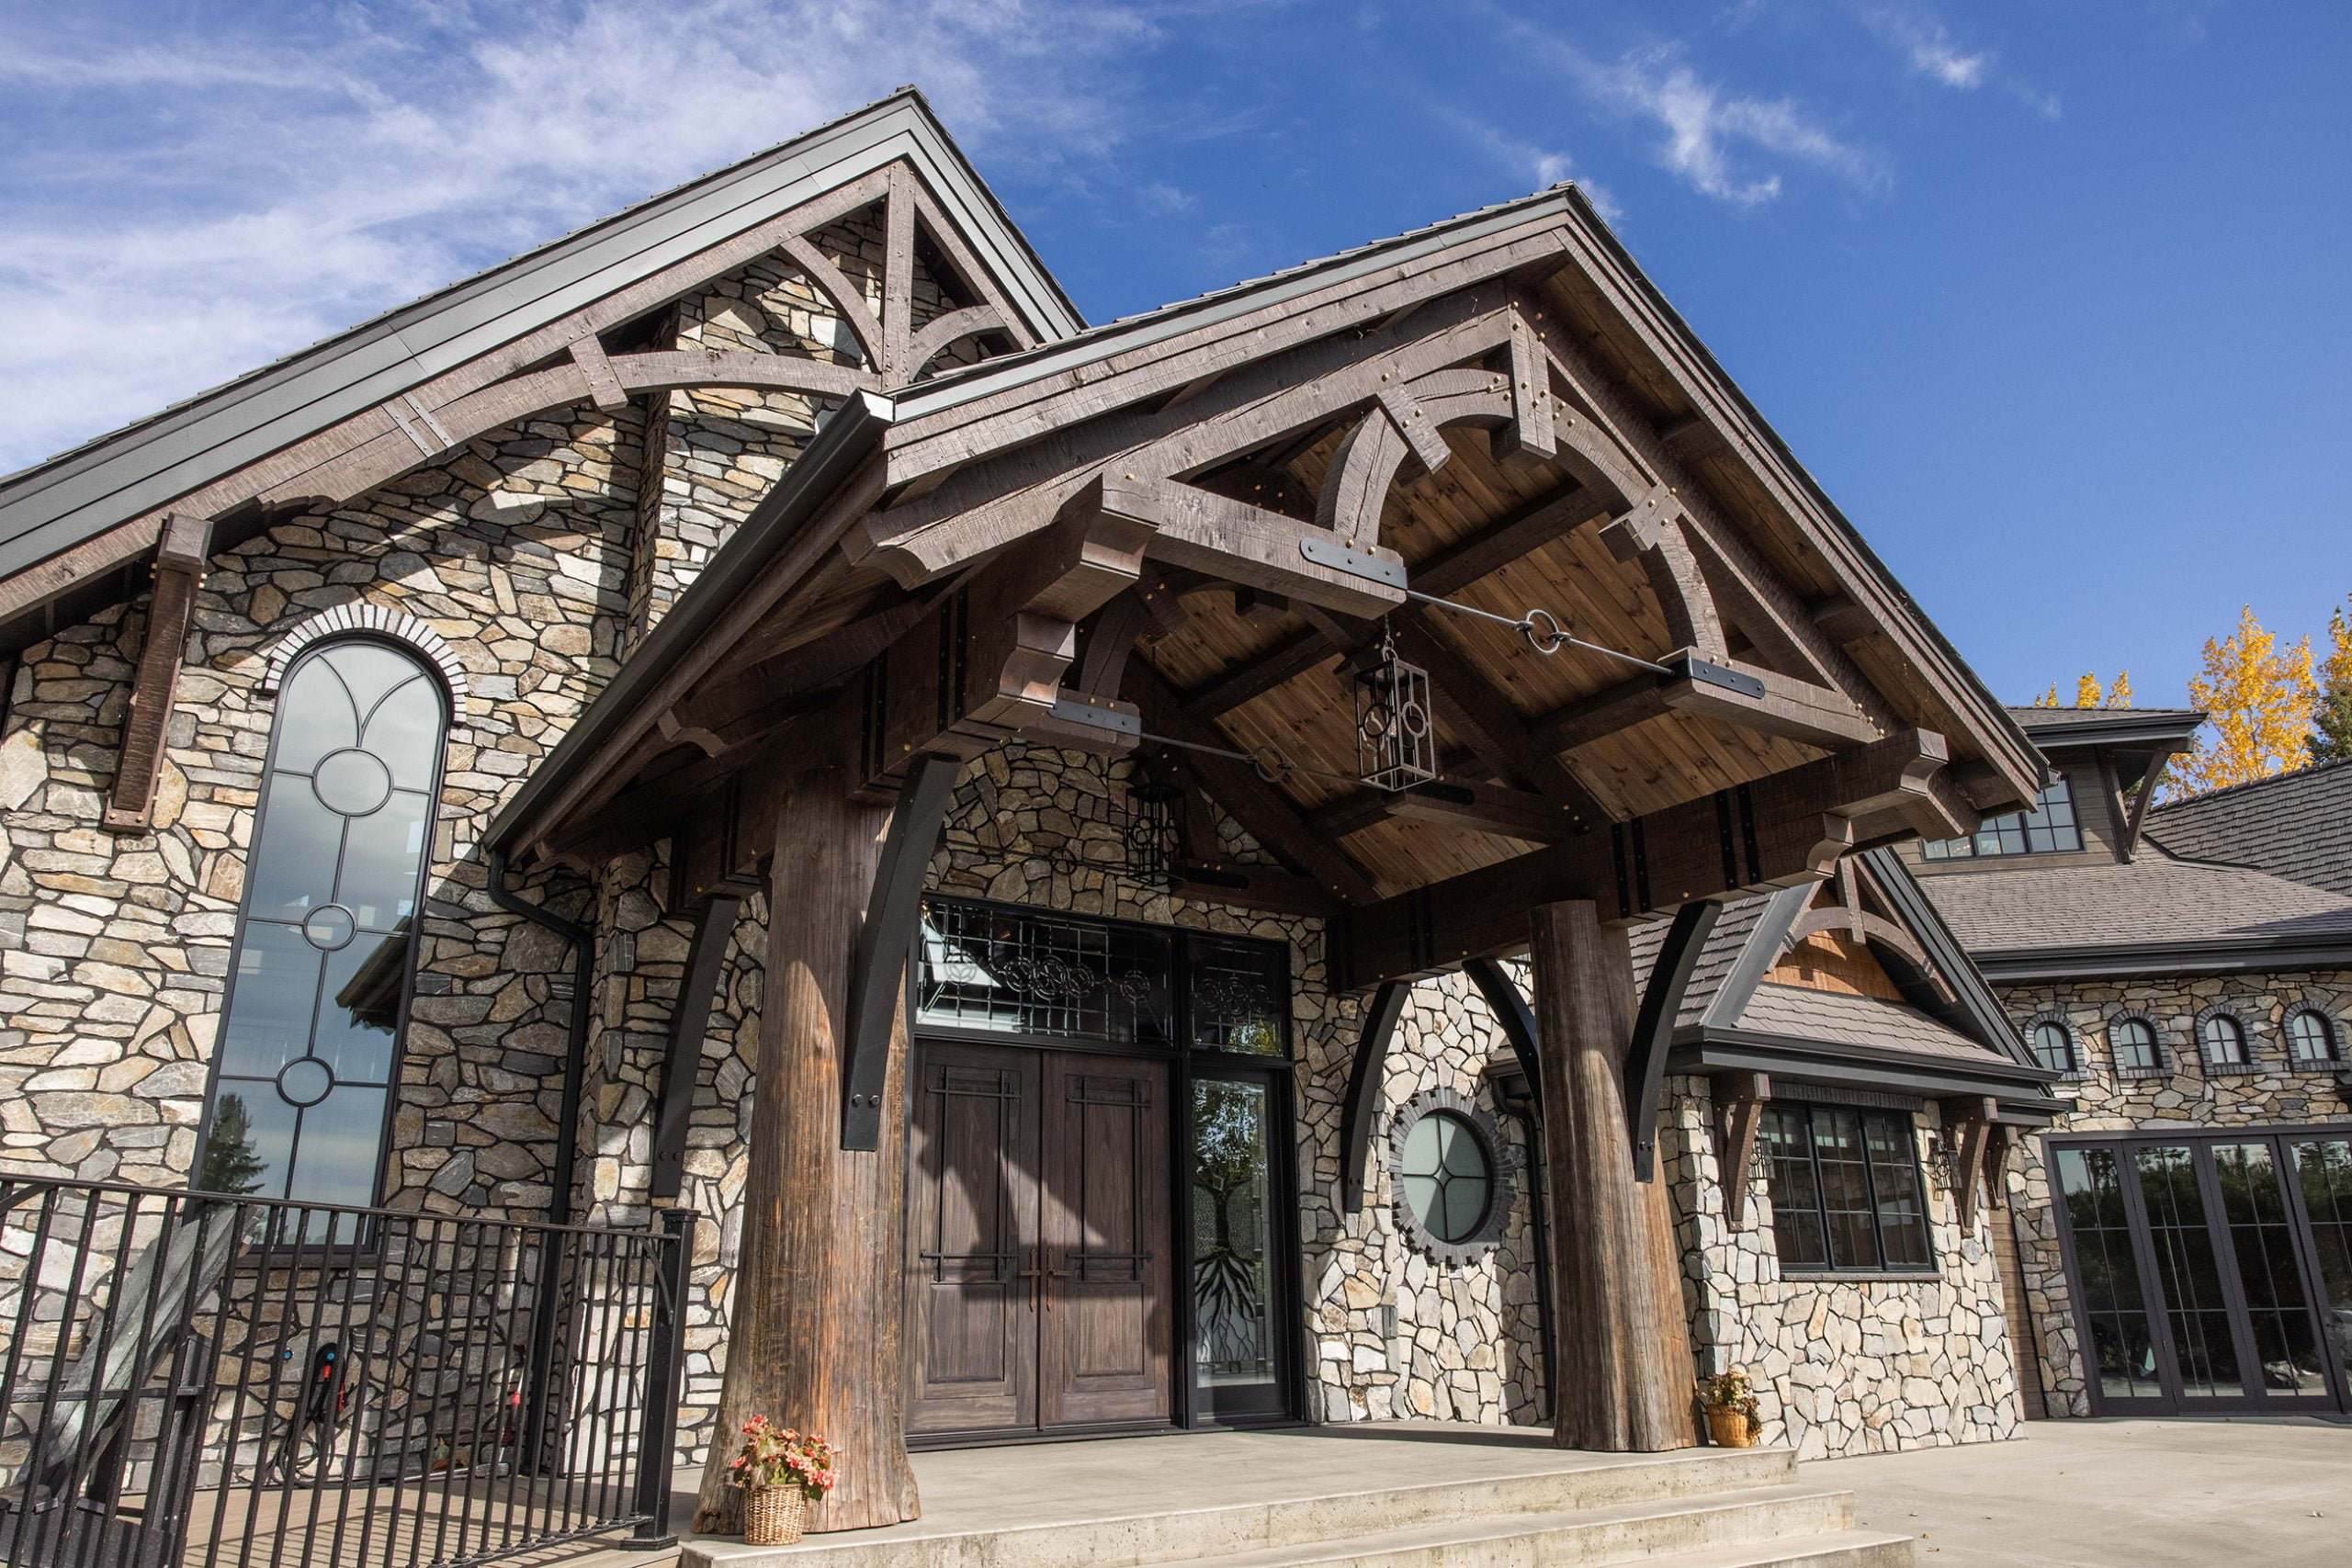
x=2252, y=1492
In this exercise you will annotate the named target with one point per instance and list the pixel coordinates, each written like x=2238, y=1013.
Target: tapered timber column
x=814, y=1336
x=1623, y=1351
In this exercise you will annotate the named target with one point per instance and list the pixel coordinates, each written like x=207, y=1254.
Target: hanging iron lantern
x=1152, y=847
x=1395, y=747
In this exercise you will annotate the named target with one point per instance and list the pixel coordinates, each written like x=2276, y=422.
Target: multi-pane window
x=2132, y=1041
x=2054, y=1045
x=1013, y=971
x=326, y=939
x=1846, y=1190
x=2221, y=1036
x=2311, y=1038
x=2048, y=827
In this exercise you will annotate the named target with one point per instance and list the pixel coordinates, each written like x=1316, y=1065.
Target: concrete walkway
x=2250, y=1493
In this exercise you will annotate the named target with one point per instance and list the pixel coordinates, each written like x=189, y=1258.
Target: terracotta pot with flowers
x=781, y=1472
x=1732, y=1418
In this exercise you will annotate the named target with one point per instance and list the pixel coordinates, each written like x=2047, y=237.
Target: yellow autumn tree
x=2331, y=722
x=2089, y=693
x=2259, y=703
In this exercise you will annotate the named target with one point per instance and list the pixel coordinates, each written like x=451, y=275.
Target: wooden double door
x=1039, y=1250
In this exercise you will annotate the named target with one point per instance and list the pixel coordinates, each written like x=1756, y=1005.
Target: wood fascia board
x=996, y=495
x=1784, y=830
x=1157, y=356
x=180, y=557
x=463, y=338
x=1862, y=576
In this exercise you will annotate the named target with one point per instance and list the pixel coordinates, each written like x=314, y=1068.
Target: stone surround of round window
x=1450, y=1177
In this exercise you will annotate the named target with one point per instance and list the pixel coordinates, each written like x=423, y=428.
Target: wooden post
x=1624, y=1344
x=814, y=1340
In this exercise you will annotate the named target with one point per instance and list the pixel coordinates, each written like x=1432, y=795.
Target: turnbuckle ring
x=1546, y=641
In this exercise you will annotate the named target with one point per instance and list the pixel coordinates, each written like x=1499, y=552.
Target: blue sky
x=2050, y=295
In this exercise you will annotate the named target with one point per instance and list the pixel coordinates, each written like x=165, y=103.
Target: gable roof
x=2297, y=825
x=2171, y=728
x=1733, y=1014
x=113, y=482
x=2160, y=913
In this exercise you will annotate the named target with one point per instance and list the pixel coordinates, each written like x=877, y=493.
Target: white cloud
x=1710, y=135
x=1923, y=40
x=254, y=191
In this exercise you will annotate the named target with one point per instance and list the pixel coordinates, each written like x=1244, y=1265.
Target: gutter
x=1706, y=1050
x=2332, y=949
x=846, y=440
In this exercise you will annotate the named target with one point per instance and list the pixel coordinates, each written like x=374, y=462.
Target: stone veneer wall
x=1840, y=1366
x=2186, y=1096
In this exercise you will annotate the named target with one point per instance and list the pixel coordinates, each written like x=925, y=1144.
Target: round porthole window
x=1450, y=1176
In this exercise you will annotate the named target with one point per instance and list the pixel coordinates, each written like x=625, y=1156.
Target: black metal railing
x=196, y=1381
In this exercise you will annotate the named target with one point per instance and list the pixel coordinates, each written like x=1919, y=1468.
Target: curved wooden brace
x=1362, y=1106
x=944, y=331
x=1644, y=1080
x=1510, y=1011
x=1652, y=535
x=397, y=451
x=1875, y=928
x=847, y=298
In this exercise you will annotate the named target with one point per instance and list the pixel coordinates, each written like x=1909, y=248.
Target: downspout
x=553, y=1251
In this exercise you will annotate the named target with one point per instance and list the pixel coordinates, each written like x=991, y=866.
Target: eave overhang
x=1702, y=1049
x=2252, y=955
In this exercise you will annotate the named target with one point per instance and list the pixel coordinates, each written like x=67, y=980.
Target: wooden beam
x=1669, y=981
x=1779, y=832
x=898, y=279
x=1624, y=1345
x=847, y=298
x=943, y=331
x=1264, y=887
x=1653, y=535
x=1360, y=1112
x=1511, y=1011
x=1476, y=712
x=1233, y=541
x=818, y=1310
x=604, y=386
x=180, y=557
x=879, y=974
x=1263, y=811
x=1743, y=694
x=1467, y=805
x=1740, y=1099
x=1260, y=673
x=1968, y=1130
x=689, y=1022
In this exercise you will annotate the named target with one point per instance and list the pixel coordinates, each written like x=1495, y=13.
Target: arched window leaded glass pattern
x=2132, y=1039
x=319, y=983
x=2224, y=1039
x=2311, y=1038
x=2054, y=1045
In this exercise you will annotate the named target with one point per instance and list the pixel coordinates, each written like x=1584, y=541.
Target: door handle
x=1034, y=1274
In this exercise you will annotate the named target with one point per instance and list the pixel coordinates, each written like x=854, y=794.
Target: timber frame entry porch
x=1174, y=537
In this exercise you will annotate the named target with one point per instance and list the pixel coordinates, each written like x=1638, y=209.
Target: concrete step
x=1840, y=1549
x=1130, y=1537
x=1758, y=1520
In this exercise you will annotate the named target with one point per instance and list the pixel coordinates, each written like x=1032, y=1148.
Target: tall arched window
x=319, y=985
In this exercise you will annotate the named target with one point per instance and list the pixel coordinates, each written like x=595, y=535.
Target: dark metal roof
x=2297, y=825
x=56, y=504
x=2108, y=726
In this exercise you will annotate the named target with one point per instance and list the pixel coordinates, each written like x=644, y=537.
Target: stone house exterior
x=2186, y=966
x=477, y=521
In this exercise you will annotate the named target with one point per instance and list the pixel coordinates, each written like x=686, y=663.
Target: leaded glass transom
x=1014, y=972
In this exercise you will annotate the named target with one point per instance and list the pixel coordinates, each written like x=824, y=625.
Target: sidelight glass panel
x=2194, y=1309
x=2324, y=1171
x=2262, y=1235
x=1239, y=993
x=1796, y=1198
x=327, y=933
x=1894, y=1179
x=1232, y=1236
x=2121, y=1344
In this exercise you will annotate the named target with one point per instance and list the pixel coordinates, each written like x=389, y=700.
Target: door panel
x=2188, y=1273
x=971, y=1239
x=2285, y=1353
x=1104, y=1342
x=2324, y=1180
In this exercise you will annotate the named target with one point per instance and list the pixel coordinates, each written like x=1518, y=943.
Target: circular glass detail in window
x=305, y=1081
x=329, y=926
x=352, y=782
x=1448, y=1177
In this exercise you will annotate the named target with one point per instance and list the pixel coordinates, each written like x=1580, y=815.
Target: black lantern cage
x=1395, y=743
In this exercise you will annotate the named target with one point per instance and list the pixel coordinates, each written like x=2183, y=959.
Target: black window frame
x=451, y=712
x=2330, y=1032
x=1793, y=1216
x=2238, y=1027
x=2073, y=1065
x=2159, y=1066
x=1991, y=842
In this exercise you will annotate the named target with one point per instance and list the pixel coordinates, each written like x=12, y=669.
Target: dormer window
x=2048, y=828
